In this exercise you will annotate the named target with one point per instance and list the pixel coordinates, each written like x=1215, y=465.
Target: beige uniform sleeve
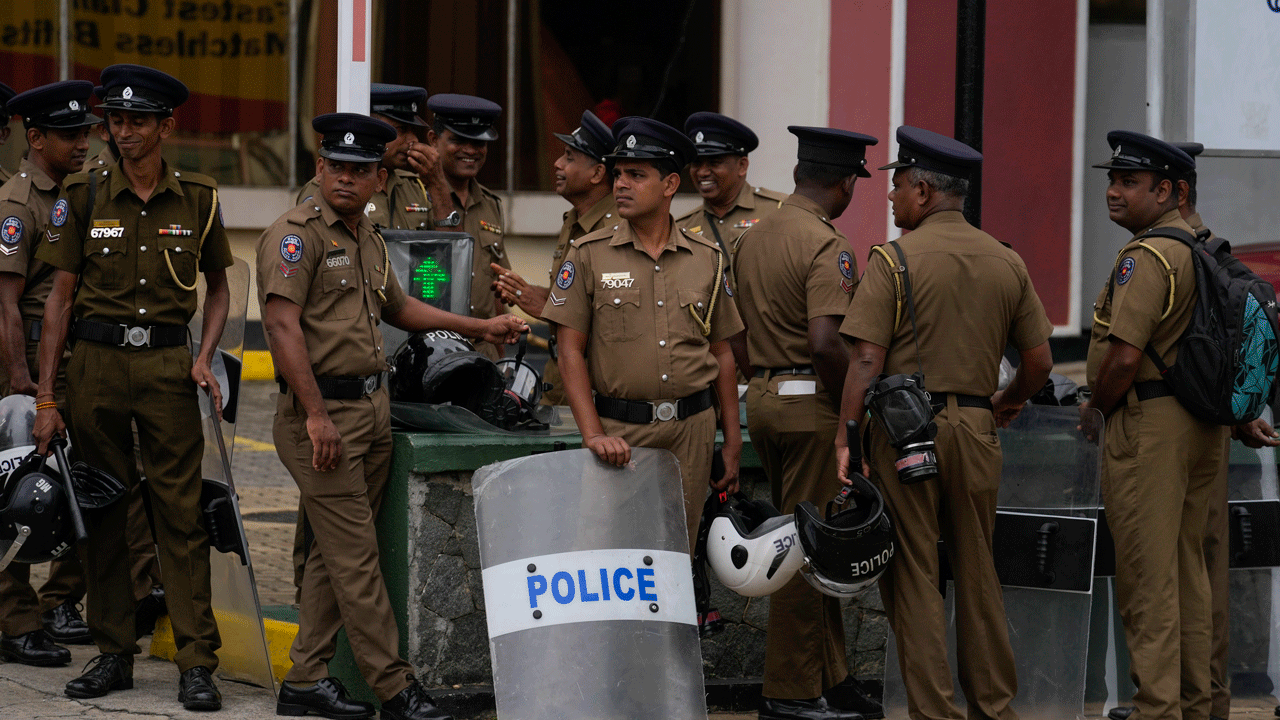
x=1031, y=326
x=287, y=262
x=873, y=309
x=1139, y=297
x=19, y=237
x=572, y=292
x=833, y=275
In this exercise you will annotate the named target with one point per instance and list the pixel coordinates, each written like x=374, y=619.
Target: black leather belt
x=344, y=387
x=639, y=411
x=797, y=370
x=1152, y=389
x=939, y=401
x=152, y=336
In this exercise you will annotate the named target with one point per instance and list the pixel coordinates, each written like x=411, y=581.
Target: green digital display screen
x=429, y=280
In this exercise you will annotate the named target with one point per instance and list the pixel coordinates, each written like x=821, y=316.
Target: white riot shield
x=244, y=654
x=588, y=588
x=1044, y=547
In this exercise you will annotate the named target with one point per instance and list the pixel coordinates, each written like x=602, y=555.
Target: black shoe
x=327, y=698
x=413, y=703
x=817, y=709
x=33, y=648
x=65, y=625
x=150, y=608
x=1121, y=712
x=110, y=672
x=849, y=695
x=196, y=690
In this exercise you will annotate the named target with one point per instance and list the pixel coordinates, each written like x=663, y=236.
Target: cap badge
x=73, y=105
x=349, y=138
x=698, y=137
x=413, y=107
x=127, y=94
x=1116, y=152
x=631, y=141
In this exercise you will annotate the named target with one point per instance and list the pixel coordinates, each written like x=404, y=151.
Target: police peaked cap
x=1191, y=148
x=1135, y=151
x=467, y=116
x=63, y=105
x=641, y=138
x=398, y=102
x=931, y=151
x=6, y=94
x=715, y=134
x=592, y=137
x=137, y=88
x=349, y=137
x=831, y=146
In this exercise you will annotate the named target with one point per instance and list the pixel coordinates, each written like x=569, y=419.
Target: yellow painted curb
x=279, y=639
x=257, y=366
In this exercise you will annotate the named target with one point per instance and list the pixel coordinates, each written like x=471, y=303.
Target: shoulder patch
x=1124, y=273
x=564, y=278
x=727, y=290
x=186, y=176
x=11, y=230
x=846, y=264
x=58, y=216
x=291, y=248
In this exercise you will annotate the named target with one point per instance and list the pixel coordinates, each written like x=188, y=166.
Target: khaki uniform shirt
x=5, y=175
x=403, y=204
x=104, y=158
x=972, y=296
x=131, y=255
x=309, y=257
x=482, y=220
x=791, y=267
x=604, y=213
x=25, y=203
x=642, y=341
x=1140, y=295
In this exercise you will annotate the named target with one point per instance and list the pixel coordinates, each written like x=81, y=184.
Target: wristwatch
x=453, y=219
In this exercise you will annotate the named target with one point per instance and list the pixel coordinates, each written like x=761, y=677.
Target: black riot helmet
x=35, y=518
x=846, y=551
x=443, y=368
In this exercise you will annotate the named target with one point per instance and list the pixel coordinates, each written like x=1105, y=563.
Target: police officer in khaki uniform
x=129, y=243
x=57, y=120
x=972, y=297
x=325, y=284
x=407, y=201
x=461, y=131
x=795, y=278
x=583, y=180
x=730, y=204
x=6, y=93
x=644, y=321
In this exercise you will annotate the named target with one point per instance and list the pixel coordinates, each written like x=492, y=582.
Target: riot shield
x=244, y=655
x=1044, y=546
x=588, y=589
x=434, y=267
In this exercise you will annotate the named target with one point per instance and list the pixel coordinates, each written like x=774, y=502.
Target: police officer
x=644, y=321
x=57, y=120
x=795, y=278
x=414, y=183
x=6, y=93
x=1161, y=462
x=972, y=296
x=108, y=154
x=461, y=130
x=730, y=204
x=325, y=284
x=129, y=243
x=583, y=180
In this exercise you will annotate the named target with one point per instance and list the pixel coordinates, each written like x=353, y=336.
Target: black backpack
x=1229, y=354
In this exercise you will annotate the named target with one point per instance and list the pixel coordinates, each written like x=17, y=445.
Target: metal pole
x=355, y=20
x=295, y=21
x=971, y=45
x=513, y=15
x=64, y=40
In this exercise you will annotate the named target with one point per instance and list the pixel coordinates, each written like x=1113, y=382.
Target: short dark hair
x=820, y=174
x=940, y=182
x=666, y=166
x=1157, y=178
x=1191, y=187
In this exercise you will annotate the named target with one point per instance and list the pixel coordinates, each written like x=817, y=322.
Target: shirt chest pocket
x=692, y=302
x=341, y=290
x=106, y=255
x=618, y=315
x=177, y=262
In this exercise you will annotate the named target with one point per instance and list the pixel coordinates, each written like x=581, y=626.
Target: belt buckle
x=664, y=411
x=136, y=336
x=370, y=384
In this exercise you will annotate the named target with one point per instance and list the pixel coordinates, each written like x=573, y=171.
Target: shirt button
x=143, y=281
x=24, y=174
x=144, y=213
x=177, y=174
x=343, y=282
x=370, y=316
x=142, y=311
x=662, y=343
x=699, y=304
x=657, y=268
x=106, y=250
x=177, y=249
x=659, y=303
x=664, y=378
x=143, y=248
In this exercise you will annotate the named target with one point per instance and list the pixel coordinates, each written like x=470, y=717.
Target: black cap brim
x=573, y=142
x=486, y=135
x=1117, y=164
x=406, y=118
x=350, y=155
x=88, y=120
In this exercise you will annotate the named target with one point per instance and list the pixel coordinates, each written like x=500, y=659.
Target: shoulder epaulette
x=300, y=214
x=688, y=215
x=700, y=239
x=490, y=193
x=196, y=178
x=80, y=178
x=601, y=234
x=772, y=195
x=16, y=189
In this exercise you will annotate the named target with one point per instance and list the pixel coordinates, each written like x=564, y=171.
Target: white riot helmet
x=752, y=547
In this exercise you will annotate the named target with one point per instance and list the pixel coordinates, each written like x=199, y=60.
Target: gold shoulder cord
x=705, y=325
x=897, y=285
x=213, y=209
x=1168, y=270
x=386, y=266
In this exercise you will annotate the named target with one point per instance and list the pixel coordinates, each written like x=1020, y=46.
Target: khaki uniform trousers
x=343, y=584
x=107, y=388
x=958, y=507
x=20, y=605
x=794, y=436
x=692, y=441
x=1158, y=480
x=1217, y=560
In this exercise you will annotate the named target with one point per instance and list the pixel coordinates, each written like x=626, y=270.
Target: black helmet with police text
x=846, y=551
x=35, y=517
x=751, y=546
x=443, y=368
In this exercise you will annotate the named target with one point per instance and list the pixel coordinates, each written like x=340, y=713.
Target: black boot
x=1121, y=712
x=327, y=698
x=413, y=703
x=110, y=672
x=816, y=709
x=33, y=648
x=65, y=625
x=849, y=695
x=196, y=690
